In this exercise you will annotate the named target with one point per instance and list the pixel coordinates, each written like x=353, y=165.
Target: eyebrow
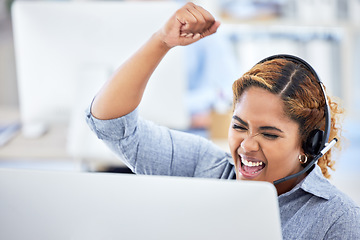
x=261, y=128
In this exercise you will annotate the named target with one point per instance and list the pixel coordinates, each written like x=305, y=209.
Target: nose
x=249, y=144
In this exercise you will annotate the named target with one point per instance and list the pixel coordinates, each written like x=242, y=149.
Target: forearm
x=123, y=92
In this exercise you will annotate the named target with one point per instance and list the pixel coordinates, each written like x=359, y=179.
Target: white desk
x=48, y=149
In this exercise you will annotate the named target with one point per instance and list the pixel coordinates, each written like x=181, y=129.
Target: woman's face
x=264, y=142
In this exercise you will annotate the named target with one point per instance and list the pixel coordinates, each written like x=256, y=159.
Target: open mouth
x=251, y=168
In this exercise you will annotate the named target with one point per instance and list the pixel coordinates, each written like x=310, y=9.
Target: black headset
x=316, y=143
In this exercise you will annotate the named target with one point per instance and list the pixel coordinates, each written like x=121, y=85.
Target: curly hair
x=302, y=97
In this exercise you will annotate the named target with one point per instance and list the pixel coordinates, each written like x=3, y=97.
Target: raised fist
x=188, y=25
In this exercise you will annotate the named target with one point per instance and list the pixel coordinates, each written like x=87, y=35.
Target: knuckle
x=202, y=21
x=192, y=20
x=190, y=4
x=179, y=11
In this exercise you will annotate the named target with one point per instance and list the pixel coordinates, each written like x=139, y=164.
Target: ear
x=302, y=152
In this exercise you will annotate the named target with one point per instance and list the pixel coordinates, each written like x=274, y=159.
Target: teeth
x=251, y=164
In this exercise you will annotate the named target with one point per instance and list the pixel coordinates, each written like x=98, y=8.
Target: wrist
x=160, y=42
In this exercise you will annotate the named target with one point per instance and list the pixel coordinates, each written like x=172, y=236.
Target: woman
x=277, y=104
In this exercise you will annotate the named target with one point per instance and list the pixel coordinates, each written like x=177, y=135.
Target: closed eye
x=239, y=127
x=270, y=136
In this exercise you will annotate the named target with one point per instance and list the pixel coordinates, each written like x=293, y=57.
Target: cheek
x=233, y=140
x=282, y=154
x=234, y=143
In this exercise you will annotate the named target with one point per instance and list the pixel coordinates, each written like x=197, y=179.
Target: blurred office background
x=325, y=32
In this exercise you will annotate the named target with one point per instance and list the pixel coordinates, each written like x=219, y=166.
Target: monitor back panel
x=59, y=205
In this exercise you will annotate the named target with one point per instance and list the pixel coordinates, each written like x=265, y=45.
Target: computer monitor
x=66, y=50
x=62, y=205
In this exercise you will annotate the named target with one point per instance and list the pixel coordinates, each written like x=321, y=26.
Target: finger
x=214, y=27
x=200, y=23
x=208, y=17
x=211, y=30
x=186, y=19
x=197, y=36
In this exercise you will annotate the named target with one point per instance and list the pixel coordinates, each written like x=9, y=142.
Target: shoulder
x=341, y=207
x=316, y=209
x=339, y=214
x=345, y=216
x=213, y=161
x=327, y=194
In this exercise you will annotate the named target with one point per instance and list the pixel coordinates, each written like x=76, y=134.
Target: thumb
x=212, y=29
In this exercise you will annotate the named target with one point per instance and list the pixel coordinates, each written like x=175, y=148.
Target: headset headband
x=302, y=62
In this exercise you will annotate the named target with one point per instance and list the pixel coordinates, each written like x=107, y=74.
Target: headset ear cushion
x=313, y=143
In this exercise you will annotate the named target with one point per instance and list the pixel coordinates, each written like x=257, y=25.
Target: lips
x=250, y=167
